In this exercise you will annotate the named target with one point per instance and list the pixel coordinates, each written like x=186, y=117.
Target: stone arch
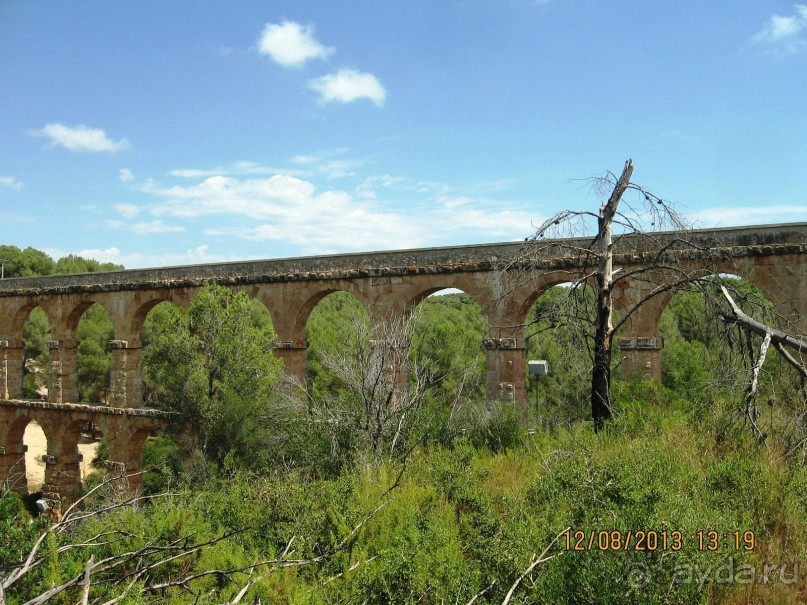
x=127, y=349
x=313, y=299
x=417, y=293
x=639, y=342
x=84, y=433
x=126, y=455
x=94, y=332
x=136, y=388
x=559, y=390
x=75, y=313
x=28, y=375
x=137, y=319
x=129, y=325
x=531, y=295
x=62, y=468
x=262, y=296
x=332, y=330
x=457, y=353
x=13, y=461
x=23, y=312
x=36, y=442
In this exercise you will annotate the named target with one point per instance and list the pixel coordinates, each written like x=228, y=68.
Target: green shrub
x=685, y=367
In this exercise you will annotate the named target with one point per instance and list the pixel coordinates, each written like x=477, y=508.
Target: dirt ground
x=34, y=438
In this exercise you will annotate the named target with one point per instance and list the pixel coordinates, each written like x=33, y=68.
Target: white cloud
x=293, y=211
x=348, y=85
x=129, y=211
x=135, y=260
x=784, y=31
x=9, y=182
x=732, y=216
x=126, y=175
x=79, y=138
x=236, y=168
x=291, y=44
x=145, y=228
x=155, y=227
x=323, y=163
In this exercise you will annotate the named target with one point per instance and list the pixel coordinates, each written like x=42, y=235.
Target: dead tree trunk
x=604, y=332
x=643, y=230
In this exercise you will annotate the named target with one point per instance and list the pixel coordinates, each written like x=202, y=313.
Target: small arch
x=77, y=448
x=447, y=332
x=24, y=312
x=157, y=317
x=546, y=284
x=36, y=334
x=36, y=444
x=335, y=320
x=696, y=341
x=260, y=295
x=17, y=460
x=93, y=332
x=135, y=445
x=553, y=334
x=137, y=319
x=442, y=290
x=76, y=314
x=162, y=316
x=92, y=446
x=751, y=291
x=305, y=310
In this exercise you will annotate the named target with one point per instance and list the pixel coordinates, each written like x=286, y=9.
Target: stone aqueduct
x=772, y=256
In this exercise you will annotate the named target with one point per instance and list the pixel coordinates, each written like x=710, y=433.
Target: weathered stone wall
x=124, y=429
x=742, y=241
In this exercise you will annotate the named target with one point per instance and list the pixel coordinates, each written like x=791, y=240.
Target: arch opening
x=700, y=348
x=160, y=320
x=741, y=389
x=446, y=357
x=36, y=444
x=92, y=449
x=35, y=370
x=94, y=332
x=337, y=331
x=213, y=366
x=558, y=330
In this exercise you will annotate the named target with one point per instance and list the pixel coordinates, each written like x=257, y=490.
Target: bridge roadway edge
x=759, y=240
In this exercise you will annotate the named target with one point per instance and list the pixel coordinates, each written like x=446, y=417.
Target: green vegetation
x=93, y=334
x=31, y=262
x=464, y=517
x=453, y=499
x=35, y=336
x=214, y=366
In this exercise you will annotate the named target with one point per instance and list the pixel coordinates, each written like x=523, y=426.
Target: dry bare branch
x=536, y=561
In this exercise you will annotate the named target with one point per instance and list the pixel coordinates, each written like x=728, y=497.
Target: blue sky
x=155, y=133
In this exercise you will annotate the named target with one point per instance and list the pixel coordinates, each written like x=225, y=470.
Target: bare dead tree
x=135, y=571
x=535, y=562
x=792, y=348
x=649, y=234
x=384, y=386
